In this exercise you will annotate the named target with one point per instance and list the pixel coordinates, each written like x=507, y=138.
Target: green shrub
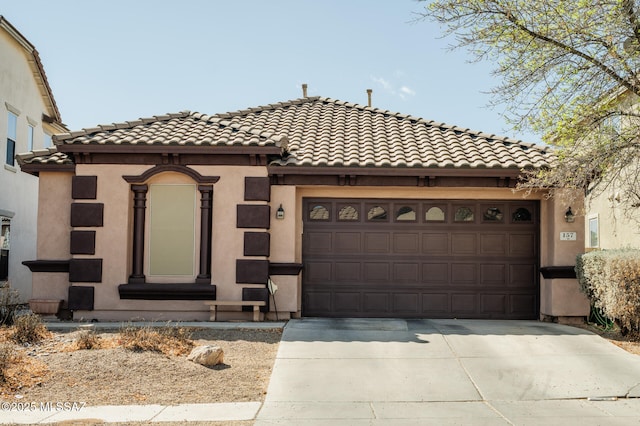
x=28, y=328
x=611, y=280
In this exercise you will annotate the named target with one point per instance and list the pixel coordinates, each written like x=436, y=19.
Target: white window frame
x=593, y=220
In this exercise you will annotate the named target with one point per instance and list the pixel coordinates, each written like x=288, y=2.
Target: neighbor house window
x=12, y=136
x=5, y=236
x=47, y=140
x=594, y=232
x=30, y=131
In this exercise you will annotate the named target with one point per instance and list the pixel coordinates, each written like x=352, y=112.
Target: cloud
x=403, y=92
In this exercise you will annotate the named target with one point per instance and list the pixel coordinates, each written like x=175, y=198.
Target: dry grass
x=17, y=370
x=168, y=340
x=28, y=329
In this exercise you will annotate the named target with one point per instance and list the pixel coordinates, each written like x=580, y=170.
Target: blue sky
x=112, y=60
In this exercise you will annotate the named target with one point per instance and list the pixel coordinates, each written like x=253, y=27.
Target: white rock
x=207, y=355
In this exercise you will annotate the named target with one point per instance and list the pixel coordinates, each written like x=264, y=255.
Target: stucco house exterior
x=351, y=210
x=28, y=118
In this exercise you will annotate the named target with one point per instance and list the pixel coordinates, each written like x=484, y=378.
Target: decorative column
x=206, y=217
x=139, y=207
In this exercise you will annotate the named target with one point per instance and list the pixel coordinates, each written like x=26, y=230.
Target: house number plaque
x=568, y=236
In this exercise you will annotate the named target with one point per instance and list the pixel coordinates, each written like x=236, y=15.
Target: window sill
x=10, y=168
x=177, y=291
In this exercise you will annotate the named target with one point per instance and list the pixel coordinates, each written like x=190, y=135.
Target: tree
x=569, y=71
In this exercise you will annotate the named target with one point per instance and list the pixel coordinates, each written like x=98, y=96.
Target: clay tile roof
x=317, y=131
x=184, y=128
x=44, y=156
x=329, y=132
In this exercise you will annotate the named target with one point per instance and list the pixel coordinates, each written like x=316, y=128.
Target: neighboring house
x=612, y=217
x=28, y=118
x=350, y=210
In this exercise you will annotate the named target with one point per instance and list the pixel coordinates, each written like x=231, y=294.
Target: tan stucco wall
x=113, y=241
x=561, y=297
x=20, y=94
x=618, y=227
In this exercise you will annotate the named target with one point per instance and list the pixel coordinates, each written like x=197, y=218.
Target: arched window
x=319, y=213
x=377, y=213
x=464, y=214
x=521, y=215
x=406, y=213
x=434, y=214
x=348, y=213
x=492, y=214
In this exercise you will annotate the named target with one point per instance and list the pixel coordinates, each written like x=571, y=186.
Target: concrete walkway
x=445, y=372
x=422, y=372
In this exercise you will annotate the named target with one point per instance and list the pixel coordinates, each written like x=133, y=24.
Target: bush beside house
x=611, y=280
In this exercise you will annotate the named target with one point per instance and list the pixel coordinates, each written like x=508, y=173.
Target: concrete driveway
x=396, y=372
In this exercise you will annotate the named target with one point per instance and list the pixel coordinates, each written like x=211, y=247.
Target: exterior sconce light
x=569, y=217
x=280, y=212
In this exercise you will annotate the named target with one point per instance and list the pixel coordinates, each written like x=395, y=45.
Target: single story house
x=351, y=210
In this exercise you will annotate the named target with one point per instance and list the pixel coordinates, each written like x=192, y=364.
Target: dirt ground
x=57, y=371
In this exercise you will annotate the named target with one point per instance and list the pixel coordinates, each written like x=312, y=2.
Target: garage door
x=420, y=259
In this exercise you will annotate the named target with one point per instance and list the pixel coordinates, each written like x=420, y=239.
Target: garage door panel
x=318, y=301
x=424, y=267
x=348, y=242
x=522, y=245
x=377, y=271
x=319, y=242
x=377, y=242
x=493, y=303
x=406, y=303
x=463, y=243
x=406, y=272
x=435, y=244
x=493, y=244
x=435, y=273
x=406, y=243
x=318, y=271
x=376, y=303
x=348, y=271
x=435, y=303
x=464, y=303
x=464, y=273
x=493, y=275
x=520, y=303
x=521, y=275
x=344, y=301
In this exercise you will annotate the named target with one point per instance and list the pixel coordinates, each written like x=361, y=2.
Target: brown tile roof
x=329, y=132
x=324, y=132
x=184, y=128
x=44, y=156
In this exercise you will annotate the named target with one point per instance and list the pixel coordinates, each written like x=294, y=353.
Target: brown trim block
x=85, y=270
x=84, y=187
x=253, y=216
x=87, y=214
x=285, y=268
x=257, y=244
x=257, y=189
x=253, y=294
x=81, y=298
x=250, y=271
x=83, y=242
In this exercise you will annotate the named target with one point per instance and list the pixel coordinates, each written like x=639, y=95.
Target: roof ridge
x=267, y=107
x=121, y=125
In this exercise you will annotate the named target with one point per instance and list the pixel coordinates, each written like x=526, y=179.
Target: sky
x=113, y=61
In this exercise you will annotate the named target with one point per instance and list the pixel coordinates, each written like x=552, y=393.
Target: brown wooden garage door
x=424, y=259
